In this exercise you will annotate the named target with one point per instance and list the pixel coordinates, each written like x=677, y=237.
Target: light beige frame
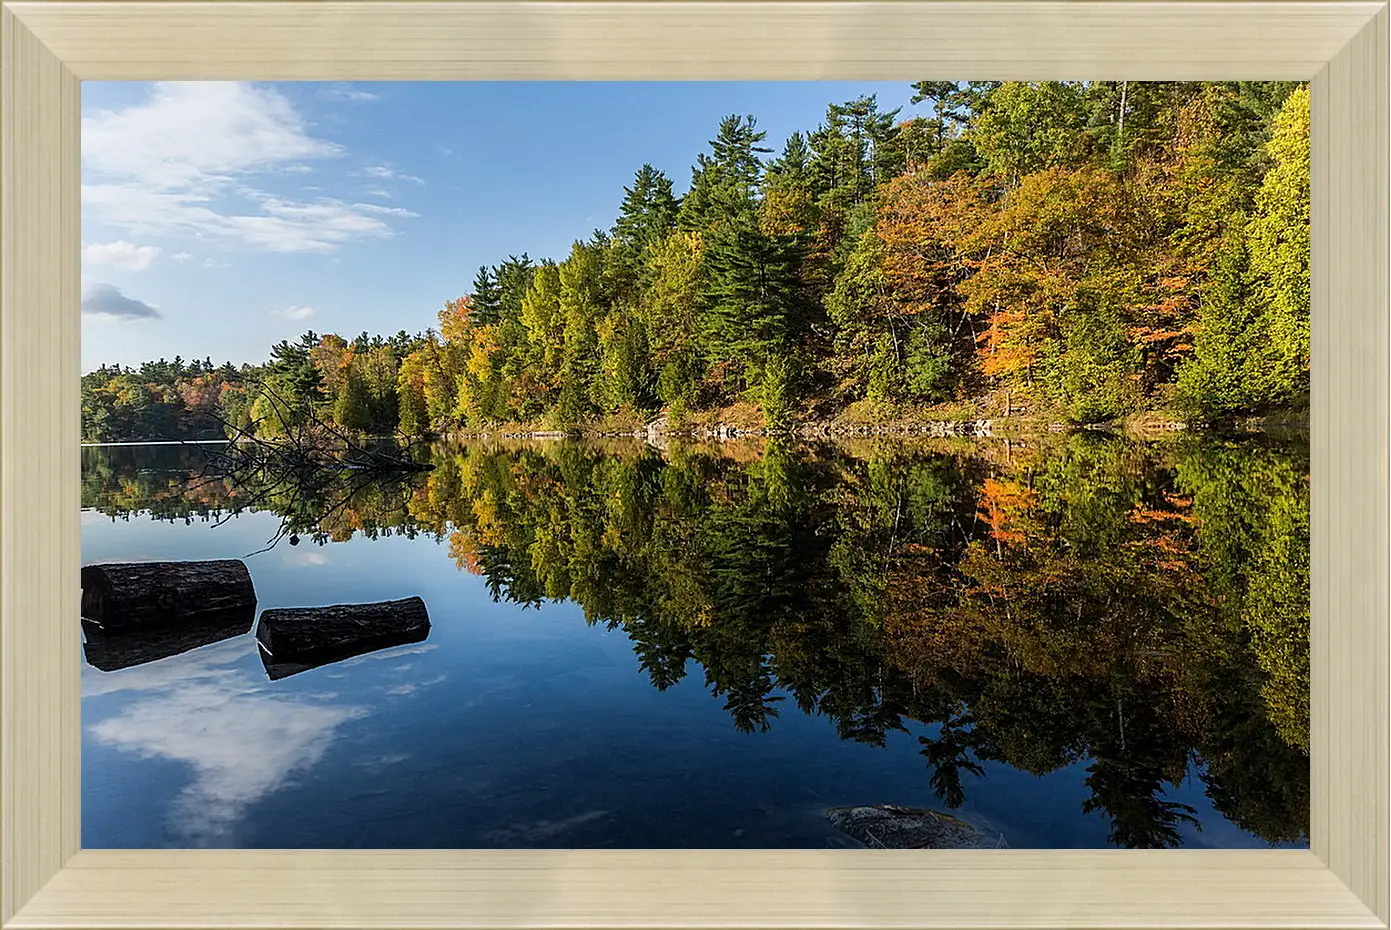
x=49, y=47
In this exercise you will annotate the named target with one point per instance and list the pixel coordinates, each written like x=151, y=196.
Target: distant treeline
x=1081, y=249
x=199, y=400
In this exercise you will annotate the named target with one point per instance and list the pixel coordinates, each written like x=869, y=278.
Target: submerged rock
x=889, y=826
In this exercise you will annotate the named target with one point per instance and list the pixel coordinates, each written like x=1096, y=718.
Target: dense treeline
x=1095, y=248
x=1141, y=610
x=352, y=384
x=1083, y=250
x=158, y=400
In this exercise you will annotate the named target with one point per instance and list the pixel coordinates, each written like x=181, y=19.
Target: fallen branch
x=309, y=460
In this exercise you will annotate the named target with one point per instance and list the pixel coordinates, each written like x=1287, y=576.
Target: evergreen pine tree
x=648, y=212
x=752, y=294
x=513, y=279
x=725, y=183
x=487, y=297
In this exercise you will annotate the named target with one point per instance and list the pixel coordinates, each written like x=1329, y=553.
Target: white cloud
x=181, y=257
x=178, y=164
x=218, y=662
x=120, y=254
x=377, y=192
x=191, y=133
x=542, y=830
x=107, y=301
x=387, y=173
x=350, y=94
x=297, y=313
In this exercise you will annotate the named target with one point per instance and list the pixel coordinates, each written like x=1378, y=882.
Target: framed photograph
x=742, y=464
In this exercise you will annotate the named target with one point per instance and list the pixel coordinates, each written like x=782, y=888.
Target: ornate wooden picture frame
x=48, y=48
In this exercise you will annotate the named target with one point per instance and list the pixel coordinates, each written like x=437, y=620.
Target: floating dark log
x=296, y=639
x=129, y=595
x=112, y=650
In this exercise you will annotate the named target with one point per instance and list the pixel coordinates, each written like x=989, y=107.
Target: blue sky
x=221, y=217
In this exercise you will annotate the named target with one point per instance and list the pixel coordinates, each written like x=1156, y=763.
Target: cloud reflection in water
x=242, y=738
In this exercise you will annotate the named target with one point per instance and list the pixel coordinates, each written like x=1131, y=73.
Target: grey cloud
x=106, y=300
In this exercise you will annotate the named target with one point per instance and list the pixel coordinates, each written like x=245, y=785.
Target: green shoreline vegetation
x=1056, y=252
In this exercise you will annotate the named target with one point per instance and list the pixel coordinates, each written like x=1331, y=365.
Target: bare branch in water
x=309, y=459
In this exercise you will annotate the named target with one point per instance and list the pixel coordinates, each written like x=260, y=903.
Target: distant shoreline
x=1148, y=425
x=160, y=442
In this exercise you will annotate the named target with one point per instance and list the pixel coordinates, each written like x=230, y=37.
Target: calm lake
x=1074, y=641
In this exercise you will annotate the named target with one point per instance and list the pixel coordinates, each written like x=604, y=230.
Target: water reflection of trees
x=1130, y=609
x=169, y=483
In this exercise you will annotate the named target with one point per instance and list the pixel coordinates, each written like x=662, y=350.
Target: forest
x=1076, y=252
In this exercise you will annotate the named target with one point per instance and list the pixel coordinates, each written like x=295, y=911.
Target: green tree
x=486, y=297
x=353, y=408
x=1024, y=127
x=583, y=305
x=751, y=293
x=1279, y=250
x=626, y=378
x=724, y=184
x=1215, y=383
x=648, y=212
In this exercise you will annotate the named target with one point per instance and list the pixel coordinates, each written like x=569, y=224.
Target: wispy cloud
x=385, y=211
x=120, y=254
x=179, y=164
x=411, y=687
x=394, y=653
x=388, y=173
x=181, y=257
x=107, y=301
x=350, y=94
x=296, y=313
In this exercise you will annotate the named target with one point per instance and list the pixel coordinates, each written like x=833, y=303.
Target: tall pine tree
x=648, y=212
x=487, y=297
x=725, y=183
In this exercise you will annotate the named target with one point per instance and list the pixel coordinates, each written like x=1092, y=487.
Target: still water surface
x=1079, y=641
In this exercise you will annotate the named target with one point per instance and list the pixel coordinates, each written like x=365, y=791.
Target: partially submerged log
x=112, y=650
x=296, y=639
x=130, y=595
